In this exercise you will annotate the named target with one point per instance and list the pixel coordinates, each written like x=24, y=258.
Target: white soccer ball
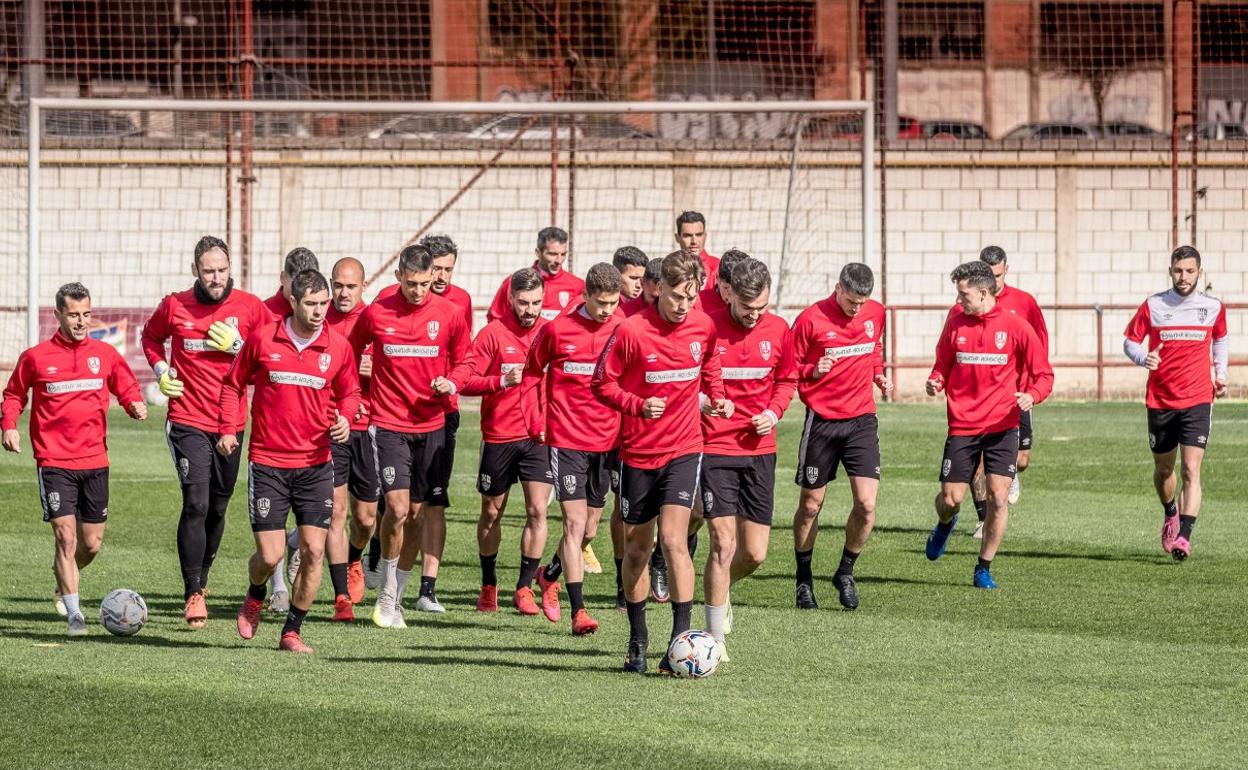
x=694, y=654
x=123, y=612
x=153, y=396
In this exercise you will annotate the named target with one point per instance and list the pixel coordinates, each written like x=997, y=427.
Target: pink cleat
x=1180, y=549
x=249, y=617
x=1169, y=533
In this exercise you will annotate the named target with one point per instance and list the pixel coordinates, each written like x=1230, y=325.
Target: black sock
x=554, y=569
x=637, y=631
x=353, y=553
x=944, y=526
x=576, y=597
x=981, y=509
x=848, y=558
x=804, y=560
x=692, y=542
x=338, y=577
x=1170, y=509
x=426, y=586
x=619, y=574
x=258, y=592
x=681, y=611
x=657, y=559
x=1185, y=526
x=488, y=576
x=294, y=620
x=374, y=553
x=985, y=563
x=528, y=570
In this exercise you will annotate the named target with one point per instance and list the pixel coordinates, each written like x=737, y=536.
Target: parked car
x=850, y=128
x=1051, y=130
x=424, y=126
x=953, y=129
x=1218, y=132
x=1128, y=129
x=81, y=123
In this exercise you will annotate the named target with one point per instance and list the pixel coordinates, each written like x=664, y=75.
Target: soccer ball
x=123, y=612
x=694, y=654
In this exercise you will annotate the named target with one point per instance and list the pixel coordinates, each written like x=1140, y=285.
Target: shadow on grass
x=1058, y=555
x=477, y=661
x=99, y=636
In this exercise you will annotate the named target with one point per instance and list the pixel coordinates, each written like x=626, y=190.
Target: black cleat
x=621, y=603
x=806, y=597
x=658, y=584
x=636, y=660
x=665, y=666
x=846, y=589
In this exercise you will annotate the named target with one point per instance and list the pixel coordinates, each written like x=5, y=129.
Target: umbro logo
x=275, y=356
x=52, y=370
x=651, y=358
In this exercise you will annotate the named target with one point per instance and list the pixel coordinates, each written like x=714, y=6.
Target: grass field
x=1097, y=651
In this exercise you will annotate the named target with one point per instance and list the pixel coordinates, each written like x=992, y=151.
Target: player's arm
x=801, y=346
x=613, y=364
x=944, y=360
x=1221, y=354
x=784, y=382
x=123, y=385
x=469, y=377
x=499, y=306
x=878, y=376
x=532, y=393
x=15, y=401
x=1136, y=334
x=713, y=380
x=232, y=388
x=155, y=332
x=1039, y=326
x=346, y=391
x=1038, y=382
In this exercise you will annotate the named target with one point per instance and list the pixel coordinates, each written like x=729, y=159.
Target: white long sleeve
x=1221, y=358
x=1136, y=351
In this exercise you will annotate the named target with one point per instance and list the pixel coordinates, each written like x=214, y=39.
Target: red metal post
x=1174, y=126
x=247, y=143
x=892, y=346
x=1100, y=352
x=554, y=117
x=228, y=120
x=1193, y=183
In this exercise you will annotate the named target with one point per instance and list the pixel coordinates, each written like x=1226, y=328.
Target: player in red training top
x=494, y=370
x=755, y=349
x=417, y=337
x=838, y=344
x=562, y=288
x=205, y=327
x=651, y=282
x=582, y=432
x=715, y=296
x=306, y=389
x=1191, y=327
x=691, y=236
x=652, y=371
x=69, y=377
x=990, y=365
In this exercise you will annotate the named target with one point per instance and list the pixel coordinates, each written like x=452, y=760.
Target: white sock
x=389, y=577
x=292, y=540
x=402, y=575
x=71, y=604
x=277, y=581
x=715, y=616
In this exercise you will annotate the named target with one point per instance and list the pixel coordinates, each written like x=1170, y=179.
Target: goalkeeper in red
x=991, y=366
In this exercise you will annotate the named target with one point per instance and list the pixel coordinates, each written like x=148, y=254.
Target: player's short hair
x=548, y=234
x=977, y=274
x=729, y=260
x=307, y=282
x=206, y=244
x=298, y=260
x=75, y=291
x=680, y=267
x=629, y=256
x=857, y=278
x=1185, y=252
x=992, y=255
x=415, y=259
x=689, y=218
x=440, y=245
x=750, y=278
x=654, y=270
x=603, y=277
x=526, y=279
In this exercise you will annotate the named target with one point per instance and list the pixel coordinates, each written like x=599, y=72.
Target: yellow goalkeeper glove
x=166, y=378
x=225, y=338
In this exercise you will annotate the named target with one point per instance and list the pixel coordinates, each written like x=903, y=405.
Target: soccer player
x=652, y=371
x=494, y=370
x=631, y=263
x=838, y=346
x=691, y=236
x=582, y=432
x=306, y=390
x=1180, y=391
x=755, y=349
x=417, y=337
x=69, y=377
x=561, y=286
x=205, y=327
x=991, y=367
x=715, y=296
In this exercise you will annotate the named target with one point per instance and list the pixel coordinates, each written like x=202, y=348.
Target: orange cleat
x=344, y=610
x=292, y=643
x=583, y=624
x=249, y=617
x=550, y=597
x=196, y=611
x=355, y=582
x=524, y=603
x=487, y=600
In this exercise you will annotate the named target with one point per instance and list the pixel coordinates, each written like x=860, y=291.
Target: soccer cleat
x=806, y=597
x=1015, y=491
x=77, y=625
x=937, y=541
x=344, y=610
x=621, y=603
x=1169, y=533
x=429, y=604
x=846, y=590
x=723, y=652
x=665, y=666
x=291, y=642
x=983, y=578
x=279, y=602
x=355, y=582
x=583, y=624
x=60, y=604
x=978, y=534
x=487, y=600
x=1181, y=548
x=550, y=597
x=523, y=601
x=658, y=584
x=384, y=610
x=399, y=621
x=592, y=565
x=372, y=579
x=635, y=658
x=196, y=612
x=728, y=616
x=249, y=617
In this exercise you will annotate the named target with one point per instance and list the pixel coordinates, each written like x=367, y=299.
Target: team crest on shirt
x=764, y=348
x=695, y=348
x=431, y=329
x=262, y=507
x=569, y=484
x=1202, y=313
x=232, y=320
x=387, y=473
x=948, y=466
x=54, y=501
x=870, y=327
x=323, y=362
x=564, y=296
x=93, y=363
x=1000, y=340
x=812, y=474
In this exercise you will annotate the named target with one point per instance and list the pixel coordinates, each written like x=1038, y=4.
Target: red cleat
x=523, y=601
x=355, y=582
x=550, y=597
x=196, y=611
x=344, y=610
x=583, y=624
x=249, y=617
x=487, y=600
x=292, y=643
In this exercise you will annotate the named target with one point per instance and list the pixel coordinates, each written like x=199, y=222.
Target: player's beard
x=203, y=294
x=1184, y=292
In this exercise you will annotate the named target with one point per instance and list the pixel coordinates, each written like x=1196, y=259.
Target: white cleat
x=728, y=616
x=384, y=610
x=978, y=534
x=279, y=602
x=1014, y=491
x=60, y=606
x=429, y=604
x=77, y=625
x=723, y=653
x=400, y=617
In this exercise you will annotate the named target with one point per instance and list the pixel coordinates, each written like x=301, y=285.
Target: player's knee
x=751, y=556
x=66, y=539
x=1191, y=473
x=90, y=545
x=949, y=500
x=195, y=500
x=723, y=548
x=675, y=545
x=1023, y=461
x=809, y=506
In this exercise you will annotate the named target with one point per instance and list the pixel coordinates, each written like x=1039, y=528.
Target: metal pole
x=35, y=33
x=868, y=190
x=554, y=118
x=1194, y=183
x=32, y=226
x=712, y=48
x=788, y=206
x=1174, y=128
x=1100, y=351
x=177, y=48
x=890, y=70
x=247, y=145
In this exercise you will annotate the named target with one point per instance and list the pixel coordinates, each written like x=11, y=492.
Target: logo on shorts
x=1013, y=469
x=569, y=484
x=387, y=474
x=812, y=474
x=695, y=348
x=484, y=481
x=683, y=495
x=948, y=466
x=708, y=500
x=323, y=362
x=437, y=491
x=615, y=478
x=1152, y=440
x=870, y=327
x=329, y=502
x=1201, y=440
x=93, y=363
x=564, y=296
x=1000, y=340
x=764, y=348
x=54, y=501
x=431, y=329
x=262, y=507
x=184, y=467
x=104, y=513
x=877, y=470
x=624, y=506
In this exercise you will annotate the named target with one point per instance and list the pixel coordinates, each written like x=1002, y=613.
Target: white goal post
x=39, y=106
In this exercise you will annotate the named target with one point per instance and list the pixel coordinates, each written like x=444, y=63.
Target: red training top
x=759, y=376
x=343, y=325
x=562, y=289
x=502, y=346
x=1186, y=327
x=709, y=301
x=631, y=307
x=278, y=306
x=856, y=347
x=1023, y=305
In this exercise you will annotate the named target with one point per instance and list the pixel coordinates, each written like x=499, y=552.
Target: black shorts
x=273, y=492
x=1024, y=431
x=197, y=461
x=1168, y=428
x=79, y=493
x=999, y=452
x=502, y=465
x=739, y=486
x=407, y=460
x=643, y=492
x=444, y=464
x=853, y=443
x=613, y=464
x=581, y=475
x=355, y=466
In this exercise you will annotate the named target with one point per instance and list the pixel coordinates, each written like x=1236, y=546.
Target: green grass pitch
x=1097, y=651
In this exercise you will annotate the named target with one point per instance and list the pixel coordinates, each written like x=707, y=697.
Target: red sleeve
x=712, y=369
x=469, y=375
x=785, y=378
x=234, y=386
x=1040, y=372
x=1140, y=324
x=801, y=346
x=121, y=381
x=155, y=332
x=944, y=354
x=15, y=392
x=460, y=341
x=362, y=332
x=1039, y=327
x=612, y=365
x=877, y=367
x=499, y=306
x=532, y=393
x=346, y=386
x=1219, y=325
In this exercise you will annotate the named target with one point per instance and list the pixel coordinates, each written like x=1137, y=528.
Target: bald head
x=347, y=284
